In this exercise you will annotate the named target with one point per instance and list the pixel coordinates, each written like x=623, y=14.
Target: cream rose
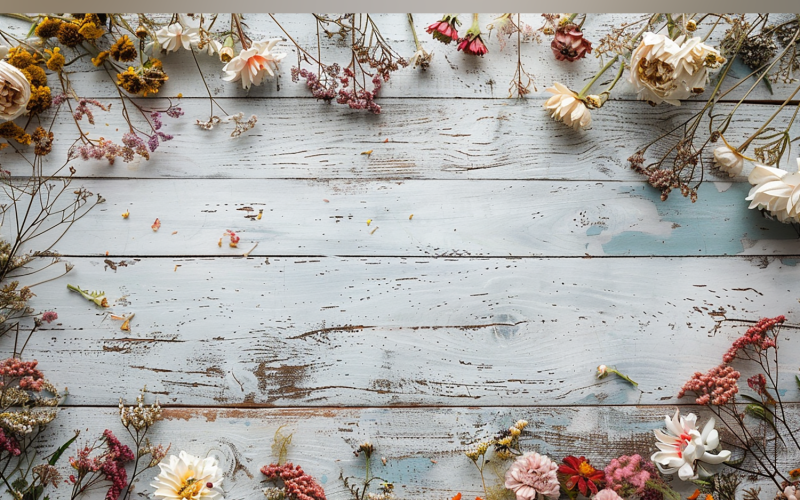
x=15, y=92
x=665, y=70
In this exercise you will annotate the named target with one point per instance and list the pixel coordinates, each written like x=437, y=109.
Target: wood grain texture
x=420, y=218
x=452, y=74
x=534, y=254
x=406, y=331
x=413, y=139
x=423, y=447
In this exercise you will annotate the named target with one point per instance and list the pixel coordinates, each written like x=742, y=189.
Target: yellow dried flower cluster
x=48, y=27
x=28, y=64
x=478, y=451
x=56, y=60
x=24, y=422
x=123, y=49
x=147, y=79
x=10, y=130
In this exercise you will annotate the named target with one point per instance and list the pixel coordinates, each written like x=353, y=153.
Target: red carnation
x=445, y=30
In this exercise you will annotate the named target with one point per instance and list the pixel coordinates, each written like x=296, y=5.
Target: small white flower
x=175, y=36
x=777, y=191
x=187, y=477
x=684, y=449
x=15, y=92
x=791, y=493
x=565, y=106
x=728, y=160
x=251, y=65
x=420, y=58
x=665, y=70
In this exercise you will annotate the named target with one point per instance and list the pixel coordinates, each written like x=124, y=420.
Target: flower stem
x=605, y=68
x=414, y=31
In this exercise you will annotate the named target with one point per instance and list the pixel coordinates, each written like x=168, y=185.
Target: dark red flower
x=578, y=472
x=445, y=30
x=569, y=43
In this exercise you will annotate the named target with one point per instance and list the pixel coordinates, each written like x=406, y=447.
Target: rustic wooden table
x=534, y=254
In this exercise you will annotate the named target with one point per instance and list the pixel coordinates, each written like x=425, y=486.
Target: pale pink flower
x=607, y=494
x=252, y=64
x=49, y=316
x=176, y=35
x=791, y=493
x=532, y=475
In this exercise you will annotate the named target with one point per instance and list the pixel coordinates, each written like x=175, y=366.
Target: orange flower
x=457, y=497
x=694, y=495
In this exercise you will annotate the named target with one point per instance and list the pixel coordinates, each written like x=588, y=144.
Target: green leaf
x=758, y=411
x=61, y=450
x=33, y=28
x=797, y=379
x=665, y=490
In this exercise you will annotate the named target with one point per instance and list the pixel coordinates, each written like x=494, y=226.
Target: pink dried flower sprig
x=24, y=372
x=296, y=483
x=716, y=387
x=9, y=443
x=110, y=465
x=757, y=336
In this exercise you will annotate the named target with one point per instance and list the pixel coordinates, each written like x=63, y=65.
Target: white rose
x=15, y=92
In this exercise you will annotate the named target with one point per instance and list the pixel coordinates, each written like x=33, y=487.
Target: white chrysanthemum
x=728, y=160
x=187, y=477
x=565, y=106
x=777, y=191
x=253, y=64
x=173, y=37
x=665, y=70
x=15, y=92
x=684, y=449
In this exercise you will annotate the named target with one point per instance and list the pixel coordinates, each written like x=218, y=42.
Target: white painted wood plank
x=450, y=139
x=420, y=218
x=452, y=74
x=423, y=447
x=406, y=331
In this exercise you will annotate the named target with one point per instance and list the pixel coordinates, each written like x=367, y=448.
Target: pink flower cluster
x=29, y=377
x=111, y=464
x=297, y=484
x=756, y=336
x=49, y=316
x=628, y=475
x=716, y=387
x=9, y=444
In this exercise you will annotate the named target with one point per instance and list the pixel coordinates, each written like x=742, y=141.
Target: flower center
x=257, y=61
x=681, y=445
x=585, y=469
x=657, y=73
x=191, y=488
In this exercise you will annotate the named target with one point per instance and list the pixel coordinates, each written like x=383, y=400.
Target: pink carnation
x=531, y=474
